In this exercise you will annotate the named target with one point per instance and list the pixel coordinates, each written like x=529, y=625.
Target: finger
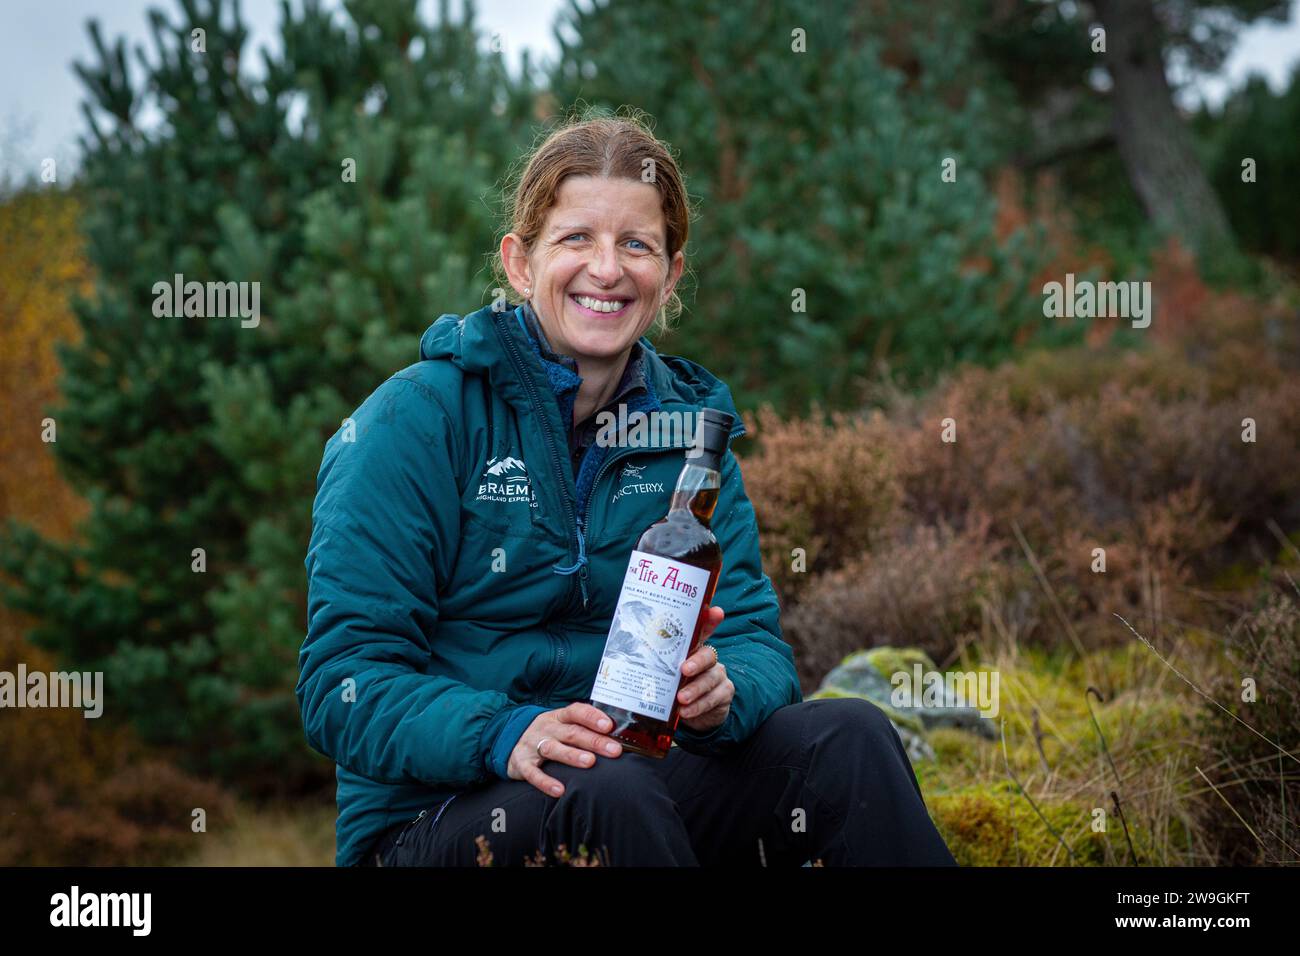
x=704, y=658
x=553, y=748
x=700, y=703
x=712, y=620
x=585, y=715
x=576, y=735
x=548, y=785
x=605, y=746
x=582, y=717
x=697, y=687
x=708, y=720
x=718, y=697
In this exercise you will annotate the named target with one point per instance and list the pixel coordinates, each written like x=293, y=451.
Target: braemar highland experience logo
x=505, y=480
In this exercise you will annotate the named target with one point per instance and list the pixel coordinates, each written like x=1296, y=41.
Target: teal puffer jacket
x=457, y=588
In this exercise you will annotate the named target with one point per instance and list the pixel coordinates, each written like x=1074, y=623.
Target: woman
x=469, y=538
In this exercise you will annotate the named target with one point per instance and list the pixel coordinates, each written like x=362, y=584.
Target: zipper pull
x=582, y=569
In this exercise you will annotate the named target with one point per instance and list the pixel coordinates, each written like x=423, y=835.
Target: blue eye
x=573, y=235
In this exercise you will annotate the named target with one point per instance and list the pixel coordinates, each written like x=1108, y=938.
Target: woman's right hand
x=575, y=738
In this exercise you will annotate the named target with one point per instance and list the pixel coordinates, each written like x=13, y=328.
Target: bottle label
x=651, y=632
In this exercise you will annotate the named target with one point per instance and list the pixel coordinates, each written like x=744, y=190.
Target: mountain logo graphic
x=506, y=480
x=505, y=467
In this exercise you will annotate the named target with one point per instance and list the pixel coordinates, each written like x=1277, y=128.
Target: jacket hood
x=480, y=343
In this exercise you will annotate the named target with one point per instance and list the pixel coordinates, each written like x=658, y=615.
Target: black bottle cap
x=712, y=433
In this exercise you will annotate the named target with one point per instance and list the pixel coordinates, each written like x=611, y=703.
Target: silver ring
x=539, y=745
x=715, y=654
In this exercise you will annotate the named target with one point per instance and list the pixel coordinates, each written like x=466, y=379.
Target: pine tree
x=814, y=137
x=351, y=180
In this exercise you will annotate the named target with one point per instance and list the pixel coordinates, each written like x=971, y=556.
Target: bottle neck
x=697, y=489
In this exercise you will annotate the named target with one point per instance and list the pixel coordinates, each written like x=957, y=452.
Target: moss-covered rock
x=870, y=674
x=1053, y=748
x=890, y=660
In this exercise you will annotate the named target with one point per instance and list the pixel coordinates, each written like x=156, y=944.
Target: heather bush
x=827, y=486
x=1131, y=456
x=922, y=588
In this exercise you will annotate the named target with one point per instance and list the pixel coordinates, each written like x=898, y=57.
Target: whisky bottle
x=670, y=580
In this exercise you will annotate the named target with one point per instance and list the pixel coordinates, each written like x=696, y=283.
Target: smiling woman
x=454, y=635
x=600, y=220
x=597, y=275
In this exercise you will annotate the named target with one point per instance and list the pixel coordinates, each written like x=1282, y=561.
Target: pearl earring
x=527, y=292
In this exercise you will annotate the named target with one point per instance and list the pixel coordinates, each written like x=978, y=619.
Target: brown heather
x=1139, y=453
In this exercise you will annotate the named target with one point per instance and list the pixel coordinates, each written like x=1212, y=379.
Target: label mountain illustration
x=642, y=633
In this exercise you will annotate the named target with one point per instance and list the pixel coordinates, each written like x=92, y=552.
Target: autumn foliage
x=73, y=791
x=41, y=265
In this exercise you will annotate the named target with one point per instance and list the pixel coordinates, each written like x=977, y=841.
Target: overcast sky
x=40, y=114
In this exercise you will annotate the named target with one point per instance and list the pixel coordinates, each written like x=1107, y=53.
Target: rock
x=868, y=674
x=917, y=747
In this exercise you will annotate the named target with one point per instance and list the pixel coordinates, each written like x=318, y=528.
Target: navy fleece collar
x=635, y=388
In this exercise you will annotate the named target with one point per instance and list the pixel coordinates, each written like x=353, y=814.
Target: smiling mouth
x=598, y=308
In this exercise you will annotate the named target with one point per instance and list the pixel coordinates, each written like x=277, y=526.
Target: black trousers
x=823, y=779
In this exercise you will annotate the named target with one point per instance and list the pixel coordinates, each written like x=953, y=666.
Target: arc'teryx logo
x=505, y=480
x=635, y=487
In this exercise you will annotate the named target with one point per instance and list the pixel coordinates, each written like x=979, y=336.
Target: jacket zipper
x=569, y=507
x=559, y=647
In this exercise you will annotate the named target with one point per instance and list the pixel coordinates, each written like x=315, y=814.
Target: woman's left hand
x=705, y=696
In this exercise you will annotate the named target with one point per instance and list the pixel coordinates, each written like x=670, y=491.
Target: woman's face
x=603, y=240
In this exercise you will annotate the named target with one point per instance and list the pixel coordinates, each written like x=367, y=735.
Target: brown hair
x=594, y=144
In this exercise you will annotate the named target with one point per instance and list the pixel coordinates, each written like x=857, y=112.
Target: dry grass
x=269, y=836
x=1154, y=767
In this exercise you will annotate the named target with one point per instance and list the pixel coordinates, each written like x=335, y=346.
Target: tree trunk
x=1155, y=144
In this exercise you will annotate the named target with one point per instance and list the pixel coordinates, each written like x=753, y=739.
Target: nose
x=605, y=266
